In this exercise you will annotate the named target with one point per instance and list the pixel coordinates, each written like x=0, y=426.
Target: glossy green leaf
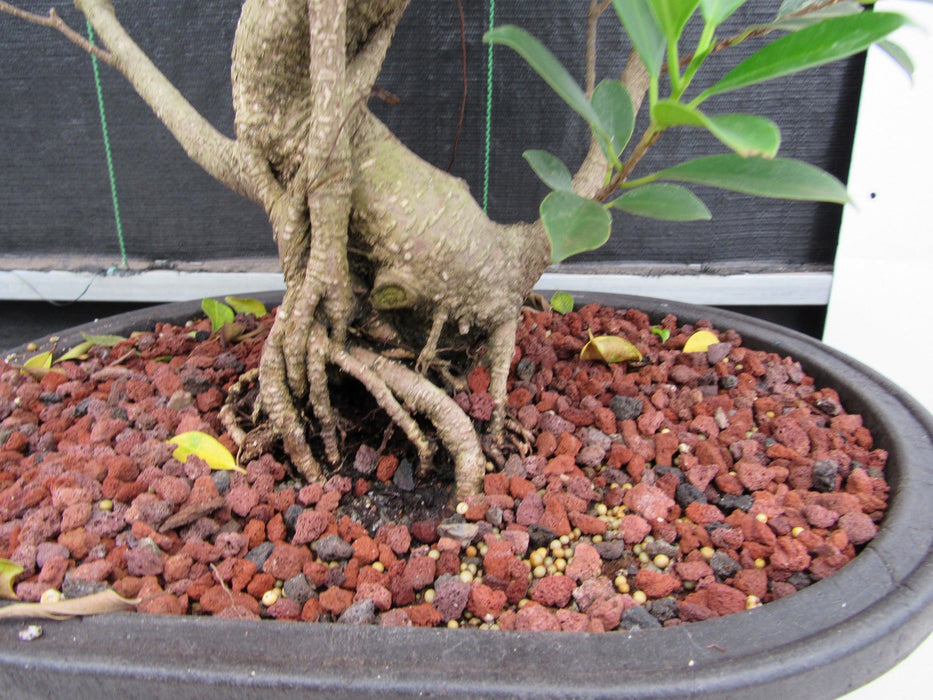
x=662, y=201
x=716, y=11
x=780, y=178
x=812, y=46
x=205, y=446
x=247, y=306
x=546, y=65
x=673, y=16
x=9, y=571
x=796, y=22
x=562, y=302
x=218, y=312
x=643, y=29
x=550, y=169
x=746, y=134
x=613, y=104
x=574, y=224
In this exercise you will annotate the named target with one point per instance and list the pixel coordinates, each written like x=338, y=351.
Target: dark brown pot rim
x=821, y=642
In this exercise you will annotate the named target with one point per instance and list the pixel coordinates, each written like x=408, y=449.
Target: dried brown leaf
x=95, y=604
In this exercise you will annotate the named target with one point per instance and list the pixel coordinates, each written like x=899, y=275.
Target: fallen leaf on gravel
x=38, y=365
x=700, y=341
x=562, y=302
x=8, y=572
x=96, y=604
x=208, y=448
x=247, y=306
x=610, y=348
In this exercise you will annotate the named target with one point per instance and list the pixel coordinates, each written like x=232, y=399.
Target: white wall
x=883, y=276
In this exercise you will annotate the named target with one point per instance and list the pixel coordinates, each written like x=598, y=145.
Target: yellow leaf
x=207, y=448
x=38, y=365
x=610, y=348
x=700, y=341
x=8, y=572
x=94, y=604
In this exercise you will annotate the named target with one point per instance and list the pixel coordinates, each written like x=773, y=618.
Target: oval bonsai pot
x=821, y=642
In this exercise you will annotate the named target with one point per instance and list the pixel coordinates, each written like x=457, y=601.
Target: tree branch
x=220, y=156
x=53, y=21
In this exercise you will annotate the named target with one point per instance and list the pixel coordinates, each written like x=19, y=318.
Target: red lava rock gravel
x=677, y=489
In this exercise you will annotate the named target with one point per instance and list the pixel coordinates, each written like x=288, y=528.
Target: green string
x=492, y=19
x=103, y=124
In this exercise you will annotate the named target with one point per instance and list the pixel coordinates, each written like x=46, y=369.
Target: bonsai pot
x=829, y=638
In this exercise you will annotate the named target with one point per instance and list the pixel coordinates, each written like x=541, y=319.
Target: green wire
x=103, y=124
x=492, y=19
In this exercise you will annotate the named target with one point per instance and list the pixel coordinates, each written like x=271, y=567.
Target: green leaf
x=613, y=104
x=661, y=332
x=77, y=351
x=562, y=302
x=574, y=224
x=793, y=23
x=643, y=29
x=104, y=341
x=662, y=201
x=673, y=16
x=550, y=169
x=899, y=54
x=780, y=178
x=716, y=11
x=205, y=446
x=546, y=65
x=828, y=41
x=746, y=134
x=247, y=306
x=218, y=312
x=9, y=571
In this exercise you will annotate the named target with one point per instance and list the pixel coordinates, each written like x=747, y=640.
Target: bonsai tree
x=366, y=228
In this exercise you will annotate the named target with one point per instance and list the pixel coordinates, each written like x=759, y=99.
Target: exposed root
x=454, y=427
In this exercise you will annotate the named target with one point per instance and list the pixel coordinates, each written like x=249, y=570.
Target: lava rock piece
x=260, y=553
x=221, y=480
x=664, y=609
x=333, y=548
x=729, y=502
x=687, y=493
x=539, y=536
x=362, y=612
x=724, y=566
x=625, y=407
x=824, y=475
x=290, y=516
x=299, y=589
x=638, y=618
x=525, y=369
x=730, y=381
x=404, y=477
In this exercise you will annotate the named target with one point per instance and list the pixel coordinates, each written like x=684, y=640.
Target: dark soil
x=683, y=487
